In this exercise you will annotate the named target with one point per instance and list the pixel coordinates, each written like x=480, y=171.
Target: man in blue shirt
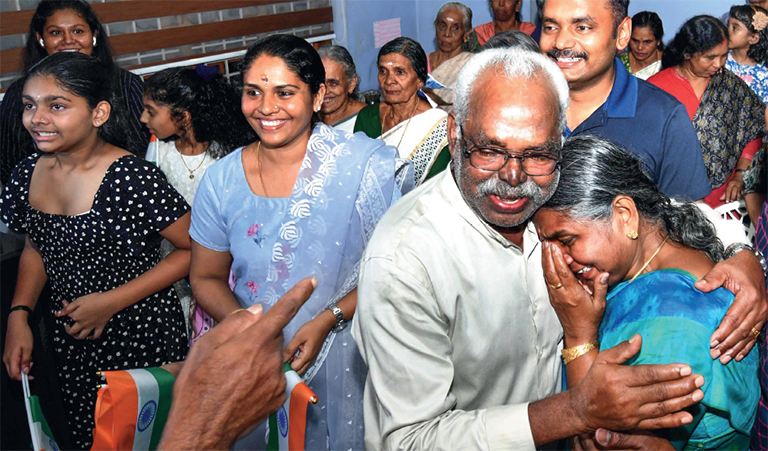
x=582, y=37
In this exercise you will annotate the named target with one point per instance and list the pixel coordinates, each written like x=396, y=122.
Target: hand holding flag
x=42, y=438
x=233, y=377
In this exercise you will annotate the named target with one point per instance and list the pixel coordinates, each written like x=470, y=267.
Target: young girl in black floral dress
x=93, y=215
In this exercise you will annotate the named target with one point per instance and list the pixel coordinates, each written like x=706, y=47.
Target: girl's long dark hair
x=745, y=14
x=87, y=77
x=34, y=52
x=213, y=106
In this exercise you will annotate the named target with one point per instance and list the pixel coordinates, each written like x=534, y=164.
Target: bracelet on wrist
x=23, y=308
x=570, y=354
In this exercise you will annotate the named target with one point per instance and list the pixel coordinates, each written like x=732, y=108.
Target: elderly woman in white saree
x=342, y=84
x=453, y=25
x=405, y=119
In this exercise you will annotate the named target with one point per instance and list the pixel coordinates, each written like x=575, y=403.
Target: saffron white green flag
x=288, y=425
x=42, y=439
x=131, y=409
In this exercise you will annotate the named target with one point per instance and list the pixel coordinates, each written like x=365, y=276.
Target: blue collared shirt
x=655, y=127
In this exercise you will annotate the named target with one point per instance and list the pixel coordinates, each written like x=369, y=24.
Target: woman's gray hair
x=511, y=39
x=341, y=55
x=515, y=63
x=465, y=11
x=594, y=170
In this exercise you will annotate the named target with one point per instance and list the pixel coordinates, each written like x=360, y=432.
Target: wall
x=358, y=37
x=416, y=21
x=674, y=13
x=417, y=16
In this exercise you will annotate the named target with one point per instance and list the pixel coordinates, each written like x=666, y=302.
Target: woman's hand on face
x=579, y=311
x=90, y=313
x=17, y=356
x=734, y=189
x=308, y=341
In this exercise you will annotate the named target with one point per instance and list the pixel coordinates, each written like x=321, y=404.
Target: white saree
x=420, y=139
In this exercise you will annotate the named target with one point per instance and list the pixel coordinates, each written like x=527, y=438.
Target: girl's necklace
x=649, y=260
x=261, y=178
x=406, y=124
x=192, y=171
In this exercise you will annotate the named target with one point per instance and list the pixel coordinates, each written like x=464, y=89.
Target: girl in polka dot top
x=93, y=216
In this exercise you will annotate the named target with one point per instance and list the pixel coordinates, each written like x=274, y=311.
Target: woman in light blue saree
x=303, y=201
x=608, y=225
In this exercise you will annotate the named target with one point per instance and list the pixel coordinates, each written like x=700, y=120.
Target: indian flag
x=131, y=409
x=42, y=439
x=287, y=425
x=152, y=151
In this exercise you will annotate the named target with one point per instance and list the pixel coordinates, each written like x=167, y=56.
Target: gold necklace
x=191, y=171
x=409, y=120
x=649, y=260
x=261, y=178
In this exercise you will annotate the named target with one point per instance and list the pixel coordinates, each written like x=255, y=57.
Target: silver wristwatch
x=341, y=323
x=735, y=248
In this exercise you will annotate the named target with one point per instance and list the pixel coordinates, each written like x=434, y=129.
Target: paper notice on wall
x=385, y=31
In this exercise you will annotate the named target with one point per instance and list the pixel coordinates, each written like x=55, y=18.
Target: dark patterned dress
x=96, y=251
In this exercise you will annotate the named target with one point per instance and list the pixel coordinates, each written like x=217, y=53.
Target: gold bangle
x=570, y=354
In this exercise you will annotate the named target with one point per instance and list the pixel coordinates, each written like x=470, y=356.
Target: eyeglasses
x=492, y=159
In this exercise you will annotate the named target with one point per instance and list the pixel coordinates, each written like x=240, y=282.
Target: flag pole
x=25, y=384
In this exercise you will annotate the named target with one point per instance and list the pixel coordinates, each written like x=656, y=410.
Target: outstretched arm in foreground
x=233, y=377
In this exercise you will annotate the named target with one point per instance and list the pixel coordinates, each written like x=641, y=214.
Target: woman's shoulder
x=23, y=171
x=527, y=28
x=129, y=164
x=438, y=114
x=369, y=120
x=663, y=77
x=226, y=166
x=670, y=292
x=369, y=111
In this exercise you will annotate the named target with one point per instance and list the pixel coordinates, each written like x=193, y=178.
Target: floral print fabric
x=756, y=77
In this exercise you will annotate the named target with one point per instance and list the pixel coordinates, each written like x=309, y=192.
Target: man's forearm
x=553, y=419
x=184, y=429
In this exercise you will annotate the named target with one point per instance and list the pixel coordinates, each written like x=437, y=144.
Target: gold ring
x=556, y=287
x=235, y=311
x=754, y=333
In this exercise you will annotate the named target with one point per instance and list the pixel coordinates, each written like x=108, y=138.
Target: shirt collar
x=454, y=197
x=622, y=101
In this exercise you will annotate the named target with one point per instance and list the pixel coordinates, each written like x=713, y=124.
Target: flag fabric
x=288, y=425
x=42, y=438
x=152, y=150
x=132, y=408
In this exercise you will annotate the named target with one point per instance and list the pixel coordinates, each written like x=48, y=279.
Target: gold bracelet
x=570, y=354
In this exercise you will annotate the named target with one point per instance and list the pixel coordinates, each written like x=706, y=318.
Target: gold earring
x=632, y=235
